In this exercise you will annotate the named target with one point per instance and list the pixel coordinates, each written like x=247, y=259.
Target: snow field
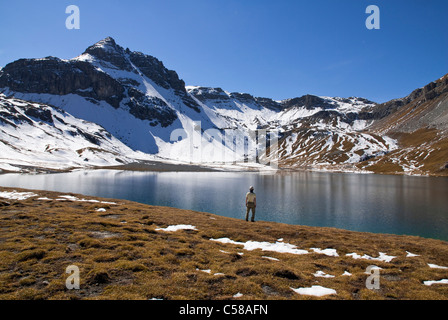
x=175, y=228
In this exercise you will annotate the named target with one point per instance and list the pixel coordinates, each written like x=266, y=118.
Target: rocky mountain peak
x=309, y=102
x=109, y=51
x=107, y=45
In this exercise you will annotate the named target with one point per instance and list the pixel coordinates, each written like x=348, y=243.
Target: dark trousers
x=250, y=206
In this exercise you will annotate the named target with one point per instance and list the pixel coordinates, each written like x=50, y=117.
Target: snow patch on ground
x=206, y=270
x=411, y=255
x=317, y=291
x=327, y=252
x=178, y=227
x=270, y=258
x=265, y=246
x=430, y=283
x=321, y=274
x=382, y=257
x=283, y=247
x=75, y=199
x=14, y=195
x=434, y=266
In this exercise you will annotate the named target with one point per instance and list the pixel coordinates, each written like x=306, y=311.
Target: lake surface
x=359, y=202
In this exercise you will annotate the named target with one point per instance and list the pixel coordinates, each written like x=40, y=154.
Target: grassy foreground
x=121, y=254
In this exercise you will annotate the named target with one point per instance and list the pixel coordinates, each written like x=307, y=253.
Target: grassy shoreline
x=123, y=252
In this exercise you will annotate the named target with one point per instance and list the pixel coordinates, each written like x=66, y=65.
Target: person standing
x=251, y=204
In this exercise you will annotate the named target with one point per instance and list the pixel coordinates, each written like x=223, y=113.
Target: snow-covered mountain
x=314, y=131
x=138, y=110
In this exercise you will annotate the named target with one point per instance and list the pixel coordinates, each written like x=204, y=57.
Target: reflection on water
x=373, y=203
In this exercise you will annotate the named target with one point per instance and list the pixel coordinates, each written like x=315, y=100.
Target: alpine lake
x=402, y=205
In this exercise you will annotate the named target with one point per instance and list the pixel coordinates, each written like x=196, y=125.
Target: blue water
x=372, y=203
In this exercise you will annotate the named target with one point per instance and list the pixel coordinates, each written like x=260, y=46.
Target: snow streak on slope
x=314, y=148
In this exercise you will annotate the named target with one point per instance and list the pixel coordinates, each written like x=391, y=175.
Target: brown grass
x=121, y=255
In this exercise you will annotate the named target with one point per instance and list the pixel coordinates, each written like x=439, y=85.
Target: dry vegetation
x=121, y=255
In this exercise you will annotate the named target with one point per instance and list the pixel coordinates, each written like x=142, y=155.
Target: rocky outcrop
x=167, y=79
x=309, y=102
x=425, y=107
x=421, y=95
x=60, y=77
x=108, y=51
x=144, y=107
x=204, y=94
x=156, y=71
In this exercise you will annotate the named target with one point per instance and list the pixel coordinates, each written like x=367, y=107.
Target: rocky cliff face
x=59, y=77
x=424, y=108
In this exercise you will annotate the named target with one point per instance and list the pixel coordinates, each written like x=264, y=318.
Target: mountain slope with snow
x=314, y=131
x=148, y=111
x=42, y=136
x=419, y=124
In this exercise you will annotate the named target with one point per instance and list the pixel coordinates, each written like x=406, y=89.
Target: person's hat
x=251, y=188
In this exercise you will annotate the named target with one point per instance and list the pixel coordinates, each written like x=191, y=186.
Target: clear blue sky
x=278, y=49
